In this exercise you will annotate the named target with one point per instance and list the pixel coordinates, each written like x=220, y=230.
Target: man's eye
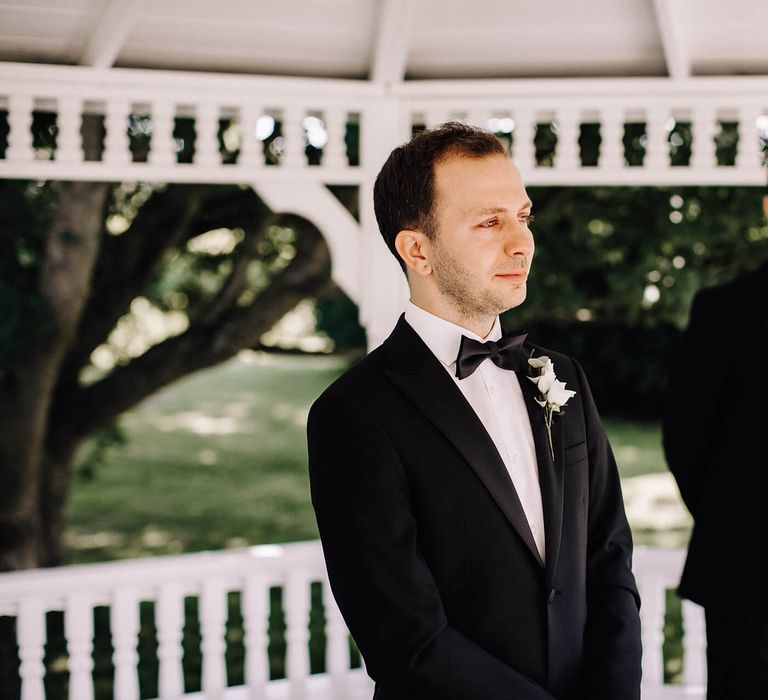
x=490, y=223
x=527, y=218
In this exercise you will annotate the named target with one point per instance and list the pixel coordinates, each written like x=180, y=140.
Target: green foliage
x=337, y=317
x=95, y=452
x=604, y=253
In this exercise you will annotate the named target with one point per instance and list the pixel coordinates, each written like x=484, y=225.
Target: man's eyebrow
x=498, y=210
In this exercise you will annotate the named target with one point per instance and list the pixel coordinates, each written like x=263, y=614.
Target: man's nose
x=519, y=241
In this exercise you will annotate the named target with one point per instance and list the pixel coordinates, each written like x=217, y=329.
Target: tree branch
x=84, y=411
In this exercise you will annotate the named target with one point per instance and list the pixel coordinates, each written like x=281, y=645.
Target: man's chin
x=517, y=298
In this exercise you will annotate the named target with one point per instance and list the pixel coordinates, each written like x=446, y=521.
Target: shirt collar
x=443, y=337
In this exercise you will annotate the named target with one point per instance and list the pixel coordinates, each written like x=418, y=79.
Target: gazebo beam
x=392, y=33
x=672, y=29
x=110, y=32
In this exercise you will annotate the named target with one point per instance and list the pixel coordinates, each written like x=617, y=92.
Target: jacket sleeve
x=613, y=649
x=691, y=399
x=379, y=577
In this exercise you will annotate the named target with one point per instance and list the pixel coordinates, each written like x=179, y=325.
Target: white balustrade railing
x=28, y=596
x=210, y=576
x=159, y=99
x=711, y=109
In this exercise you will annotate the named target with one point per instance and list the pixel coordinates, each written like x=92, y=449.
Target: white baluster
x=20, y=128
x=296, y=606
x=117, y=143
x=78, y=630
x=169, y=619
x=256, y=623
x=294, y=155
x=124, y=618
x=213, y=619
x=653, y=596
x=251, y=149
x=337, y=646
x=567, y=153
x=162, y=146
x=657, y=146
x=611, y=139
x=335, y=151
x=749, y=155
x=705, y=126
x=694, y=644
x=68, y=120
x=207, y=135
x=30, y=633
x=523, y=146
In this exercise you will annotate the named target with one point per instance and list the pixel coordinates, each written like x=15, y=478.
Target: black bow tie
x=504, y=353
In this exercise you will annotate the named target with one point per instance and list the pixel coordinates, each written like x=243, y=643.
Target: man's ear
x=413, y=248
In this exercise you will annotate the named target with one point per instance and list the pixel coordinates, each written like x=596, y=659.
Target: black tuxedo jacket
x=715, y=423
x=429, y=553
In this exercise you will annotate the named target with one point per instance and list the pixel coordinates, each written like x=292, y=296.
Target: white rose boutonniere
x=552, y=392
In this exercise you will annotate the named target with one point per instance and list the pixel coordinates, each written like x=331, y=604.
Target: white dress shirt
x=497, y=399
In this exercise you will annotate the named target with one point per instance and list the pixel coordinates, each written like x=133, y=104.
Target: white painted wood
x=694, y=629
x=124, y=621
x=69, y=147
x=313, y=201
x=251, y=149
x=30, y=634
x=612, y=139
x=749, y=155
x=169, y=620
x=567, y=155
x=107, y=36
x=653, y=597
x=255, y=610
x=162, y=151
x=213, y=619
x=657, y=157
x=674, y=29
x=705, y=127
x=116, y=140
x=206, y=135
x=296, y=599
x=294, y=155
x=78, y=630
x=523, y=146
x=335, y=151
x=392, y=37
x=19, y=147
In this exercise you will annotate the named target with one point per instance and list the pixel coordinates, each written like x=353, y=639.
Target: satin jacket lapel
x=421, y=377
x=550, y=471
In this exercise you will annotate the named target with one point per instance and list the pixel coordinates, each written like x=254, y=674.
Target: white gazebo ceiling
x=394, y=40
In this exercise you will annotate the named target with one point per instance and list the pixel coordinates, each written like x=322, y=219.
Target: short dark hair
x=404, y=192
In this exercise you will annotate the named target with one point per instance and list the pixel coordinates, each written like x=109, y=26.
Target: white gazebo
x=317, y=67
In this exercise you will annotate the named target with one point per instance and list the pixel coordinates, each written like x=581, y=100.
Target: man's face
x=482, y=251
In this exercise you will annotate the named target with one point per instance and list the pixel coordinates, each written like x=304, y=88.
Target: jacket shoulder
x=355, y=384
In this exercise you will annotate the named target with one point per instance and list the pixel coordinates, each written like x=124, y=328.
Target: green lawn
x=219, y=460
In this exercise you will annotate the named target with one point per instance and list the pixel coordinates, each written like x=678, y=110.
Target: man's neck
x=480, y=326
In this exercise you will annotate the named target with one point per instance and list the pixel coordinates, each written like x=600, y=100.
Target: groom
x=475, y=540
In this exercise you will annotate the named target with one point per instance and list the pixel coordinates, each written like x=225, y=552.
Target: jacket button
x=552, y=595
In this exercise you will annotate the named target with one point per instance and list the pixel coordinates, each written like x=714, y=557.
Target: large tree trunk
x=27, y=387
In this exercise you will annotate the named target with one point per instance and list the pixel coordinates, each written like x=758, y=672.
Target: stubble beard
x=463, y=291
